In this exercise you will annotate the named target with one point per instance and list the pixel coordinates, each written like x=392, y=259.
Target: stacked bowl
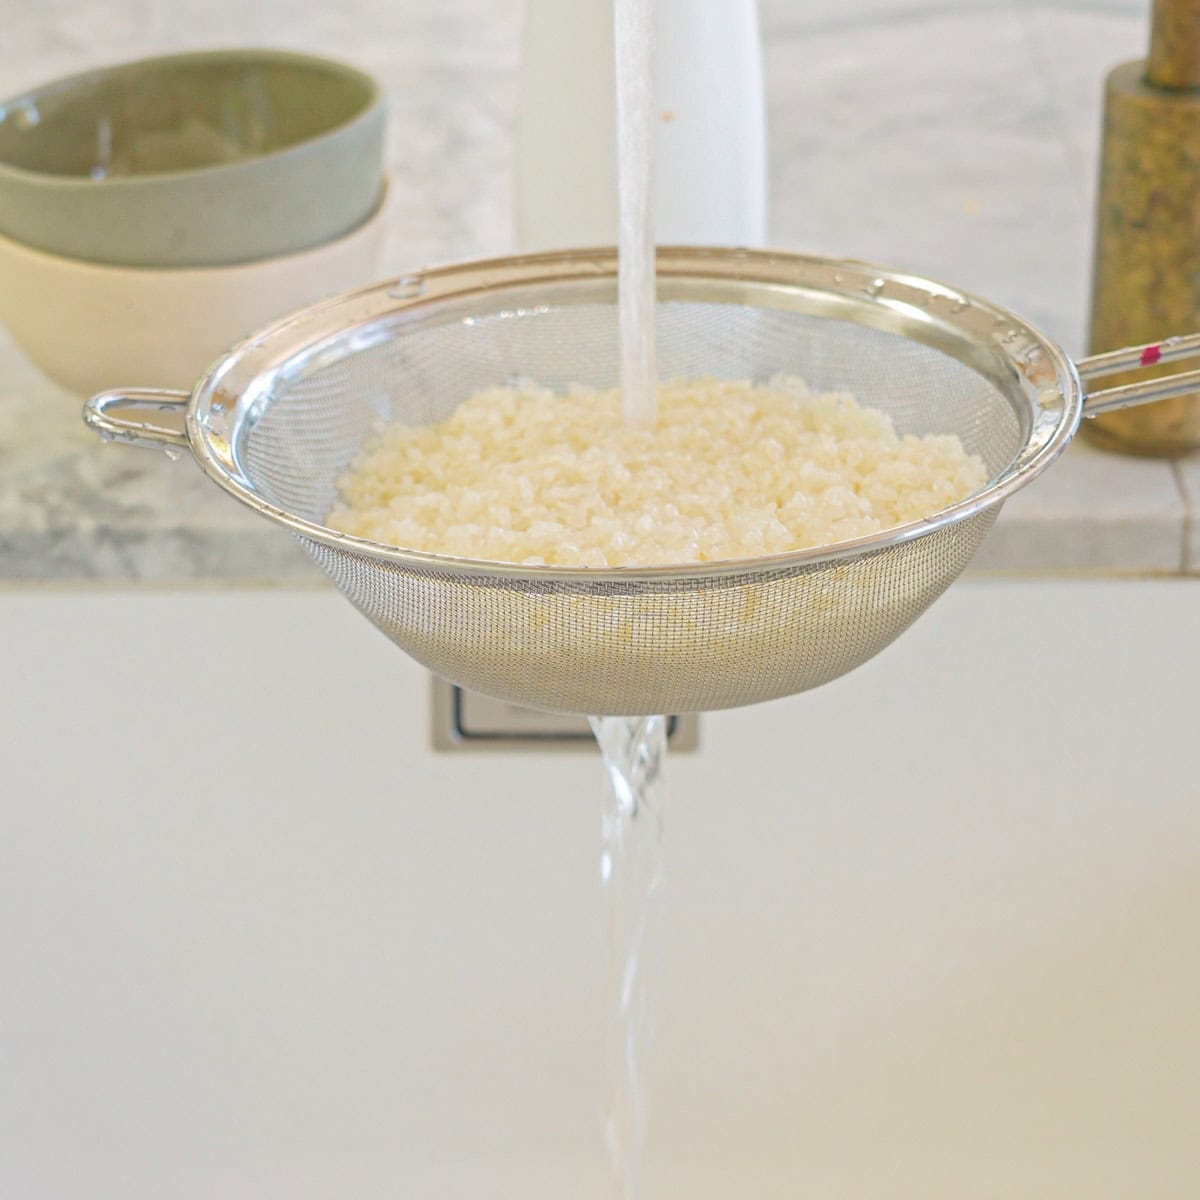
x=154, y=213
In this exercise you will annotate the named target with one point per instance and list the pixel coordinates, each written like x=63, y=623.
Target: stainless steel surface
x=278, y=420
x=1133, y=358
x=1129, y=395
x=1113, y=362
x=102, y=413
x=462, y=720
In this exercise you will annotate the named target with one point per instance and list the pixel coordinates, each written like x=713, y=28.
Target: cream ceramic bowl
x=89, y=326
x=199, y=159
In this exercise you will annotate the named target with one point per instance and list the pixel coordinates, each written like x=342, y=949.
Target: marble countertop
x=956, y=141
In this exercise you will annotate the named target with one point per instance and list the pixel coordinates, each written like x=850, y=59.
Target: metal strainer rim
x=210, y=429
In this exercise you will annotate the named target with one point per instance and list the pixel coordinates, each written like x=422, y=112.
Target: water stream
x=634, y=30
x=633, y=748
x=631, y=871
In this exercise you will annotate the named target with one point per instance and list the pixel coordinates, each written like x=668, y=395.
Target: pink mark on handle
x=1151, y=355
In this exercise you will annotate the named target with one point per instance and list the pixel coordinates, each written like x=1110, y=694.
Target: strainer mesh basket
x=279, y=424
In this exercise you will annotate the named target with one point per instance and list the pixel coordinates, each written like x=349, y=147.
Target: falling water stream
x=633, y=748
x=632, y=875
x=634, y=36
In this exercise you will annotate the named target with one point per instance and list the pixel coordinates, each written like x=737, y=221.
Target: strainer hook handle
x=100, y=413
x=1135, y=358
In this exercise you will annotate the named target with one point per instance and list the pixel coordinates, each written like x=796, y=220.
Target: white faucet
x=711, y=148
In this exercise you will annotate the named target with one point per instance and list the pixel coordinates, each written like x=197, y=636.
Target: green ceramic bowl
x=199, y=159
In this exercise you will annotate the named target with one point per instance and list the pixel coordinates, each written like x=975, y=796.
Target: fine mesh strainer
x=277, y=421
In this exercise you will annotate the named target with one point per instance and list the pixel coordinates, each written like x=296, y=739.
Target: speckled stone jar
x=1147, y=267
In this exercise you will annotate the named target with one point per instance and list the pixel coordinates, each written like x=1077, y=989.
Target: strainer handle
x=98, y=414
x=1135, y=358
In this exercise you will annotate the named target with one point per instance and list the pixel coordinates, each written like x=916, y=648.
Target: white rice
x=730, y=470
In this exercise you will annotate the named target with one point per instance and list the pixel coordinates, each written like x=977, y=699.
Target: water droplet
x=173, y=453
x=876, y=286
x=838, y=278
x=959, y=306
x=408, y=288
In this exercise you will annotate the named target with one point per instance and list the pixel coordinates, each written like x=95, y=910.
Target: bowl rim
x=374, y=102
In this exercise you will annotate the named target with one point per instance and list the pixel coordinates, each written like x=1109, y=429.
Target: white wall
x=931, y=931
